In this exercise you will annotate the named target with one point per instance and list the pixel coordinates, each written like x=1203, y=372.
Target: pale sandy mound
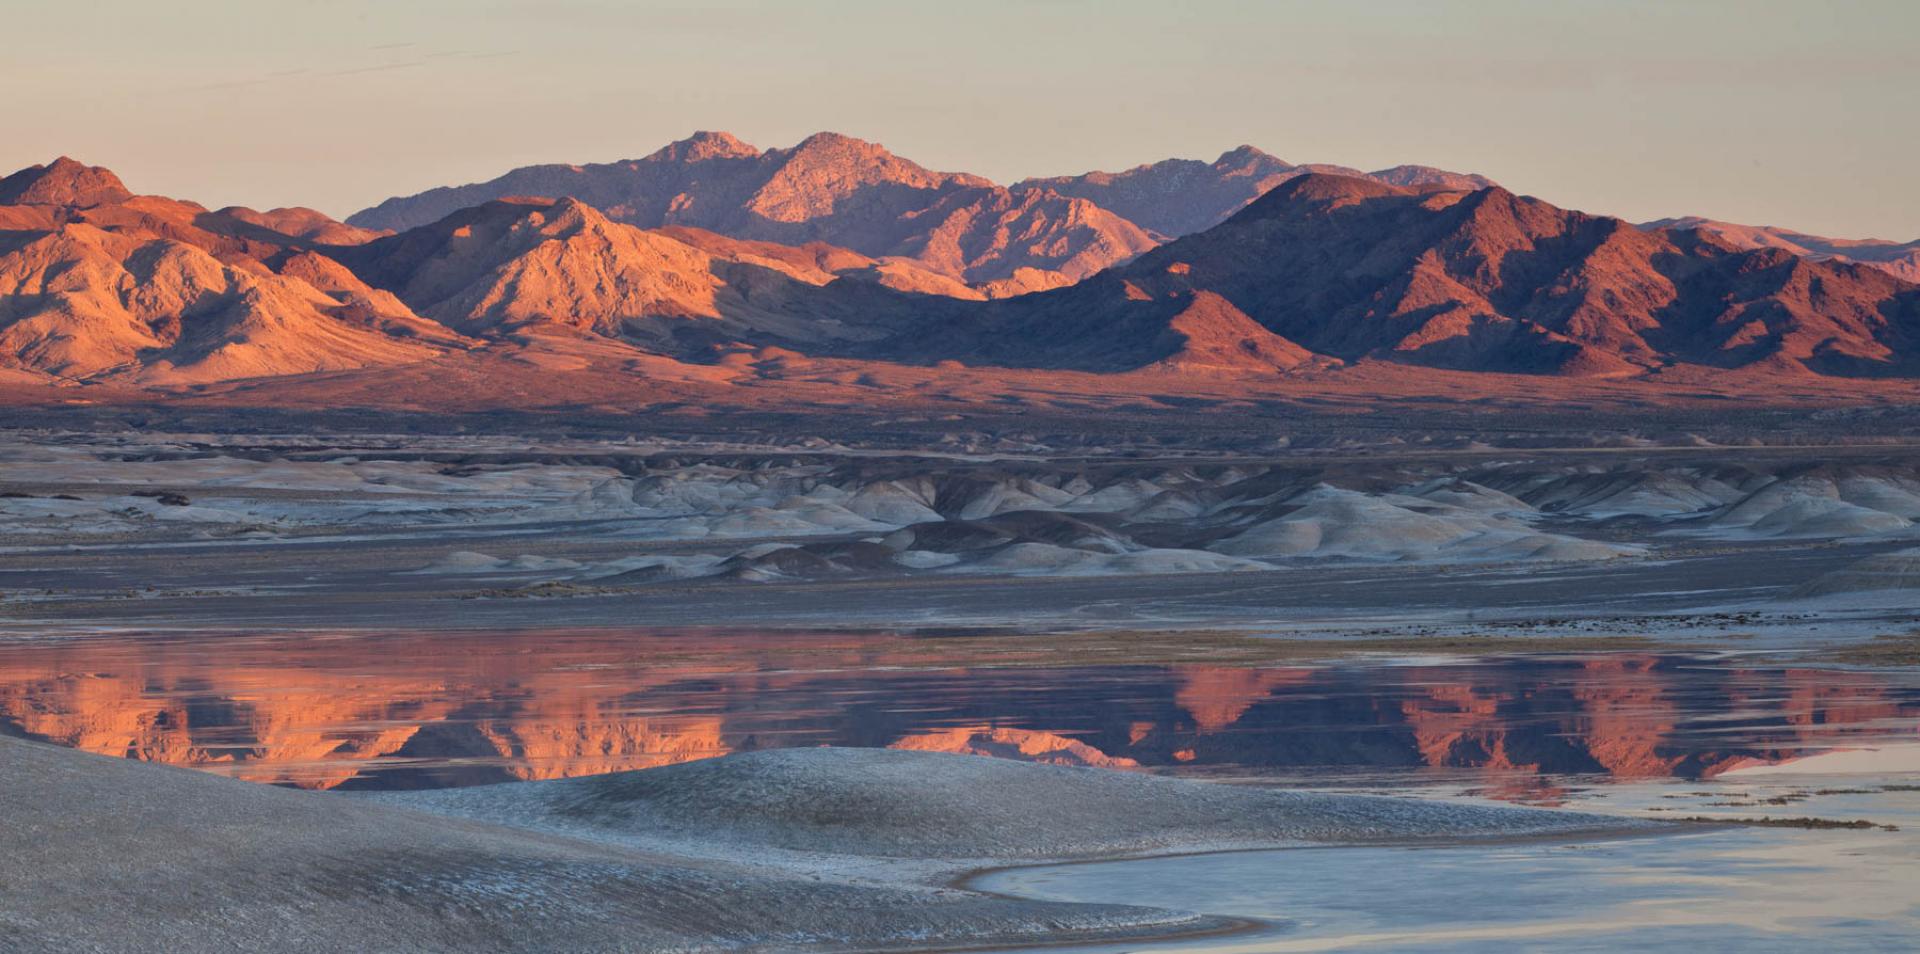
x=1821, y=507
x=1351, y=525
x=1468, y=495
x=700, y=501
x=896, y=502
x=644, y=569
x=926, y=559
x=792, y=517
x=1889, y=493
x=1170, y=506
x=1599, y=493
x=1044, y=559
x=469, y=561
x=923, y=804
x=1119, y=497
x=1342, y=524
x=1007, y=494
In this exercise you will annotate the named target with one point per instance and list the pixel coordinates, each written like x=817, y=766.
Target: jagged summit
x=827, y=139
x=63, y=182
x=1428, y=177
x=831, y=188
x=1177, y=197
x=1243, y=153
x=705, y=145
x=857, y=194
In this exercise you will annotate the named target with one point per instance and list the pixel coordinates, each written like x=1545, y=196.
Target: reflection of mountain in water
x=428, y=710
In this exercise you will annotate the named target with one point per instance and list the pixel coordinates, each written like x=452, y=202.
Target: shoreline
x=967, y=880
x=1057, y=648
x=866, y=863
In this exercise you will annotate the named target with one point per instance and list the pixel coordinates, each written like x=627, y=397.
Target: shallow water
x=1736, y=889
x=412, y=710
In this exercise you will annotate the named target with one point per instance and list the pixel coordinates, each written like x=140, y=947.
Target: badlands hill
x=1181, y=196
x=1899, y=259
x=829, y=188
x=1485, y=281
x=98, y=282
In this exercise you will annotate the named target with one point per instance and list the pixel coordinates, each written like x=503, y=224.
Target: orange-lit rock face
x=316, y=715
x=1215, y=697
x=447, y=709
x=1458, y=725
x=1629, y=717
x=103, y=714
x=558, y=743
x=1025, y=745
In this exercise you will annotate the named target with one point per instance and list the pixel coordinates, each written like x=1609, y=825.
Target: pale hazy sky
x=1800, y=114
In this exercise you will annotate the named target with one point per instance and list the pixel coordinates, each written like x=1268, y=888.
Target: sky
x=1796, y=114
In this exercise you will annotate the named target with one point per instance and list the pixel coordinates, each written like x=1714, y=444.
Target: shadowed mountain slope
x=1899, y=259
x=1482, y=281
x=1182, y=196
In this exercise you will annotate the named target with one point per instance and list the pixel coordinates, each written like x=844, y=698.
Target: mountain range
x=713, y=261
x=1035, y=234
x=829, y=188
x=1355, y=269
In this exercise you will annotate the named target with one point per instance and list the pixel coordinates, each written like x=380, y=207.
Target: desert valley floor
x=618, y=678
x=1042, y=478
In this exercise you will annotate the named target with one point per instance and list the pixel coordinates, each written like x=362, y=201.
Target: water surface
x=405, y=710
